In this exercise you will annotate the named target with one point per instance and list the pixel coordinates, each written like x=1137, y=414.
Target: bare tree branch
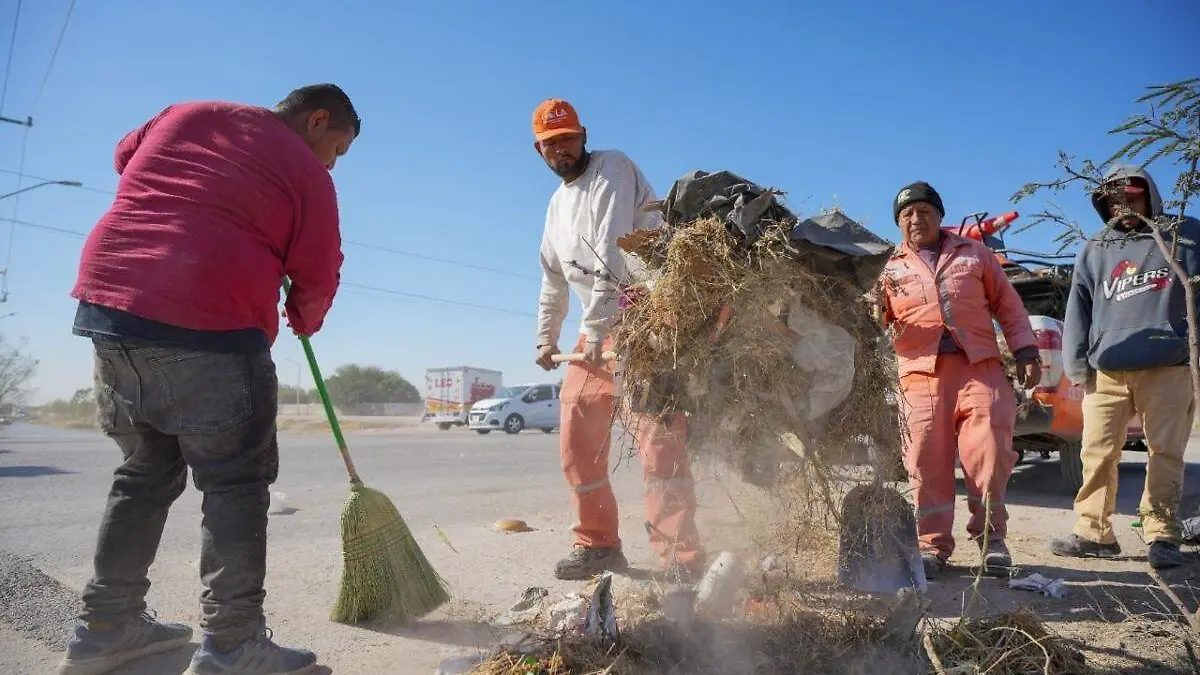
x=16, y=369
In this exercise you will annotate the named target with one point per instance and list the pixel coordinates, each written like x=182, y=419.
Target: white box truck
x=450, y=393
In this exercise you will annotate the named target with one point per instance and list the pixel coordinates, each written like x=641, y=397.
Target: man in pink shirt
x=940, y=293
x=178, y=289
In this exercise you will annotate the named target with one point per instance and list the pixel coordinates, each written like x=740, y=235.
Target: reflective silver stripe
x=668, y=483
x=930, y=510
x=590, y=487
x=943, y=292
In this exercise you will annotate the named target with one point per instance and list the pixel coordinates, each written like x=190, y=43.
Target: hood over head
x=1135, y=175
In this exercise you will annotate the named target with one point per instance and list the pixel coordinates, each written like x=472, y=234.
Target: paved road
x=53, y=485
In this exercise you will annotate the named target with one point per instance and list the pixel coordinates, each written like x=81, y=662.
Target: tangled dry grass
x=1016, y=643
x=808, y=642
x=795, y=638
x=714, y=333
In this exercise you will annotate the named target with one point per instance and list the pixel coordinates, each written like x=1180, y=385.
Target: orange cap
x=554, y=117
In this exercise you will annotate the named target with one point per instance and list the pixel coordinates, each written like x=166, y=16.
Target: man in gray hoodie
x=1125, y=341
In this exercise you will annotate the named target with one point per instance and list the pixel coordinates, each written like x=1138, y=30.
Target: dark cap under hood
x=1138, y=175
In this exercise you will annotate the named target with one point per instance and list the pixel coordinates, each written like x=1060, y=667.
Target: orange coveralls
x=588, y=411
x=959, y=401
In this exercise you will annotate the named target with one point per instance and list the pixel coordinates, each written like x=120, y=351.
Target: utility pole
x=298, y=376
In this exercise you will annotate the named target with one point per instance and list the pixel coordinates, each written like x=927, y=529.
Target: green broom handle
x=343, y=450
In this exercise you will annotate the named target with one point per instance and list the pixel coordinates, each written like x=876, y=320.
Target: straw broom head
x=384, y=575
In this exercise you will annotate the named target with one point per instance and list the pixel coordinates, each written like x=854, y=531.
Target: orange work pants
x=588, y=409
x=964, y=409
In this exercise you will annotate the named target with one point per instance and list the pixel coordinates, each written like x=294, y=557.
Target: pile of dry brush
x=797, y=638
x=756, y=324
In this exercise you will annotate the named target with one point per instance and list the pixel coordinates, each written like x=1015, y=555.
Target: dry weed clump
x=807, y=641
x=714, y=332
x=1016, y=643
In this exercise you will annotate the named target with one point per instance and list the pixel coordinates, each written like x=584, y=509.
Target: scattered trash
x=525, y=611
x=444, y=537
x=716, y=592
x=512, y=526
x=1055, y=588
x=278, y=507
x=1190, y=531
x=569, y=615
x=601, y=622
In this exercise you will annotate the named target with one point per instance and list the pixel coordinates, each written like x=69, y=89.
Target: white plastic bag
x=826, y=353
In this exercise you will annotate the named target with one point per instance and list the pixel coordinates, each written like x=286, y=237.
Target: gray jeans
x=170, y=409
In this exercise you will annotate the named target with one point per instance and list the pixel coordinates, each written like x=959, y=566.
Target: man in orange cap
x=600, y=200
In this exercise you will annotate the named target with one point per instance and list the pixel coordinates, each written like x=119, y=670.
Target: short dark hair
x=322, y=97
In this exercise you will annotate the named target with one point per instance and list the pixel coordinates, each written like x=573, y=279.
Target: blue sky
x=836, y=103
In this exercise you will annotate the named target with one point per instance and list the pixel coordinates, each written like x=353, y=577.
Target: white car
x=513, y=409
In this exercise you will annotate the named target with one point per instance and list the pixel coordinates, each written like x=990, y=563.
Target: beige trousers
x=1163, y=396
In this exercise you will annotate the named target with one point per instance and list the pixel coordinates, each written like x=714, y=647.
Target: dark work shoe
x=93, y=653
x=997, y=561
x=1076, y=546
x=585, y=563
x=257, y=656
x=1164, y=555
x=934, y=565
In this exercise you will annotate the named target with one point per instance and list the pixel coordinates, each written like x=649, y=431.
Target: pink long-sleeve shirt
x=216, y=203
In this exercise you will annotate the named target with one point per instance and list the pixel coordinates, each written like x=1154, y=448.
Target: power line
x=44, y=228
x=53, y=56
x=375, y=289
x=444, y=261
x=12, y=43
x=10, y=172
x=360, y=244
x=417, y=296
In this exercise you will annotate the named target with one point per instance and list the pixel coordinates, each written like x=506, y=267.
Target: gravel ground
x=35, y=605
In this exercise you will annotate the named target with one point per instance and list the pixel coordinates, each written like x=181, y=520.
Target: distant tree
x=353, y=384
x=16, y=369
x=288, y=394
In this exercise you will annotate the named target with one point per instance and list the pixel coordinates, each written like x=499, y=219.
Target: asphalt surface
x=53, y=485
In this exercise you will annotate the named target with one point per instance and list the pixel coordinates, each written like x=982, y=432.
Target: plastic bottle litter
x=716, y=591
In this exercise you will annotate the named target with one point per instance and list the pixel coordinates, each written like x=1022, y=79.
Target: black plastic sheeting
x=829, y=243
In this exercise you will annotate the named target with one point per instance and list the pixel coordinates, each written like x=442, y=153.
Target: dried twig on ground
x=1192, y=618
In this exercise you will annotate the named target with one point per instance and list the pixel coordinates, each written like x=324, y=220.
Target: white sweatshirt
x=579, y=245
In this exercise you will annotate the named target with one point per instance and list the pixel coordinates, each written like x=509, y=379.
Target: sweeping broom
x=384, y=573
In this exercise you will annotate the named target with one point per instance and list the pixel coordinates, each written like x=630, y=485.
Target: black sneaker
x=1164, y=555
x=91, y=653
x=1076, y=546
x=585, y=563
